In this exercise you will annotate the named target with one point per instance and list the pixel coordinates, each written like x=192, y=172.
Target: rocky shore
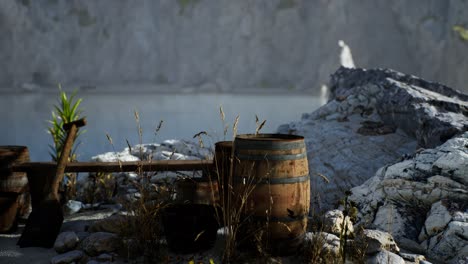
x=388, y=158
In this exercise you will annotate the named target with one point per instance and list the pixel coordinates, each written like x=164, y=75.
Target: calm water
x=23, y=118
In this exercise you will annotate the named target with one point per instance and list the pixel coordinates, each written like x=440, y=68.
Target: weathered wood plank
x=160, y=165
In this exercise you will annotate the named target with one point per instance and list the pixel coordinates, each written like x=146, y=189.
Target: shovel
x=45, y=220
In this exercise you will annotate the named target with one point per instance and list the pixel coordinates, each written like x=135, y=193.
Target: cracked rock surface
x=423, y=198
x=373, y=118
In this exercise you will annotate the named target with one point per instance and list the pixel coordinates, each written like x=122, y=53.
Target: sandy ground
x=10, y=253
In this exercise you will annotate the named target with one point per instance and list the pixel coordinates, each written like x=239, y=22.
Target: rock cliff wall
x=224, y=45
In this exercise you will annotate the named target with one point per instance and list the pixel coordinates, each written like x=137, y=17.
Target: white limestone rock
x=436, y=221
x=115, y=156
x=386, y=257
x=333, y=223
x=345, y=157
x=412, y=258
x=451, y=244
x=330, y=242
x=374, y=118
x=422, y=199
x=72, y=207
x=377, y=240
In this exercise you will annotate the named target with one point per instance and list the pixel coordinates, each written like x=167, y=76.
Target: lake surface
x=23, y=118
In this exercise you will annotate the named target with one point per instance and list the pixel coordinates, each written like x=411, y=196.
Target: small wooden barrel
x=190, y=223
x=271, y=171
x=13, y=186
x=197, y=191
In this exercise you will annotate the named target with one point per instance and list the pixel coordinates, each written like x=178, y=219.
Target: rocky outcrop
x=373, y=118
x=430, y=112
x=422, y=199
x=369, y=246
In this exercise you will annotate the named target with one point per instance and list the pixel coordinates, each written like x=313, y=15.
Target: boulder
x=105, y=257
x=66, y=241
x=72, y=207
x=329, y=243
x=431, y=112
x=112, y=224
x=451, y=244
x=374, y=118
x=436, y=221
x=423, y=199
x=100, y=242
x=70, y=257
x=385, y=256
x=377, y=241
x=412, y=258
x=333, y=223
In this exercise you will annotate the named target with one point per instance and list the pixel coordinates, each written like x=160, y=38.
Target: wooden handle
x=72, y=129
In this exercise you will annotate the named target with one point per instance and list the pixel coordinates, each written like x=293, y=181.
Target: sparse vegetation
x=141, y=228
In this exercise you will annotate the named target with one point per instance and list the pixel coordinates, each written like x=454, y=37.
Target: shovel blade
x=43, y=226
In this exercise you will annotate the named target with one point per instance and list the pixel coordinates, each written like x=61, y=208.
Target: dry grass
x=235, y=196
x=141, y=230
x=142, y=233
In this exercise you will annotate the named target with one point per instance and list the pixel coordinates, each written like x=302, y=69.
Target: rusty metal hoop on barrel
x=275, y=168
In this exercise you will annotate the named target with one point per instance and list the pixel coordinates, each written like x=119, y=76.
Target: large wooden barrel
x=271, y=174
x=13, y=186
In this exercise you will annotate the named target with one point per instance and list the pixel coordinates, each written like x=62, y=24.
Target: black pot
x=189, y=227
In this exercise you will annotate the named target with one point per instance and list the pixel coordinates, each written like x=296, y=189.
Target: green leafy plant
x=67, y=110
x=462, y=32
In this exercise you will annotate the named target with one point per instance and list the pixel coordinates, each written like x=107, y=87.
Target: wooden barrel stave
x=14, y=200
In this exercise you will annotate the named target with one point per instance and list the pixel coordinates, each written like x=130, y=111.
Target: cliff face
x=224, y=45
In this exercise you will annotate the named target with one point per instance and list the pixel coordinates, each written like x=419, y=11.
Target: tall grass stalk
x=142, y=229
x=234, y=195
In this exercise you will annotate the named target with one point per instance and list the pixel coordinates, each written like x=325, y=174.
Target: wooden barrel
x=197, y=191
x=190, y=223
x=222, y=162
x=271, y=174
x=13, y=186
